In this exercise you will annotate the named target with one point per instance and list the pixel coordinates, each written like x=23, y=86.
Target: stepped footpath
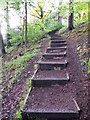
x=49, y=96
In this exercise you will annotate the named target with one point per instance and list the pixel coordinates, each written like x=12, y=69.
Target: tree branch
x=36, y=16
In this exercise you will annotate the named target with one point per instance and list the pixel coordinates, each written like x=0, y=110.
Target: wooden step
x=58, y=44
x=53, y=64
x=56, y=48
x=52, y=55
x=57, y=38
x=55, y=51
x=50, y=102
x=46, y=78
x=58, y=41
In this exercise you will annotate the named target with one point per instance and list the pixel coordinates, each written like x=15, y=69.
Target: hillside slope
x=79, y=40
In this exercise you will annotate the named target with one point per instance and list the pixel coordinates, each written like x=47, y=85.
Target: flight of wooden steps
x=46, y=98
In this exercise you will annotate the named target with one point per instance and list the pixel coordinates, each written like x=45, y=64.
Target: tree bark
x=60, y=16
x=8, y=26
x=2, y=48
x=60, y=19
x=23, y=31
x=71, y=16
x=26, y=23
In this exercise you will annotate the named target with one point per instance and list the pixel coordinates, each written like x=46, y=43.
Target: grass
x=18, y=115
x=21, y=103
x=17, y=66
x=89, y=66
x=19, y=61
x=11, y=49
x=62, y=30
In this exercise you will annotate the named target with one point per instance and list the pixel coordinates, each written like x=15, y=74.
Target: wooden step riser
x=55, y=51
x=46, y=56
x=48, y=83
x=56, y=38
x=67, y=111
x=58, y=41
x=52, y=66
x=58, y=44
x=56, y=48
x=34, y=116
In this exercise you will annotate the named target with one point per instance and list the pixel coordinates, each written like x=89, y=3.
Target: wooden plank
x=50, y=102
x=50, y=77
x=58, y=44
x=52, y=55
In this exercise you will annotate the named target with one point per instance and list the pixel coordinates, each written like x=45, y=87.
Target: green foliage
x=19, y=61
x=16, y=36
x=52, y=24
x=62, y=9
x=18, y=115
x=18, y=65
x=38, y=10
x=22, y=100
x=24, y=58
x=79, y=6
x=35, y=32
x=80, y=12
x=16, y=5
x=1, y=97
x=3, y=4
x=89, y=66
x=10, y=49
x=28, y=86
x=62, y=30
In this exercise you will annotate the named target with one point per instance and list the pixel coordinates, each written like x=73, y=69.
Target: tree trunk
x=60, y=16
x=60, y=19
x=26, y=23
x=23, y=39
x=2, y=48
x=7, y=21
x=71, y=27
x=71, y=16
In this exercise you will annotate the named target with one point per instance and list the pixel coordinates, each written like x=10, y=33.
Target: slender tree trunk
x=2, y=48
x=60, y=16
x=60, y=19
x=23, y=30
x=71, y=16
x=42, y=27
x=8, y=26
x=26, y=23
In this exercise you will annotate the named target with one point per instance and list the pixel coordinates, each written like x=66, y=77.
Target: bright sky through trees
x=14, y=18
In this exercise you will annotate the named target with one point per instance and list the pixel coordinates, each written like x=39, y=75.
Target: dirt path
x=77, y=87
x=11, y=99
x=79, y=81
x=78, y=84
